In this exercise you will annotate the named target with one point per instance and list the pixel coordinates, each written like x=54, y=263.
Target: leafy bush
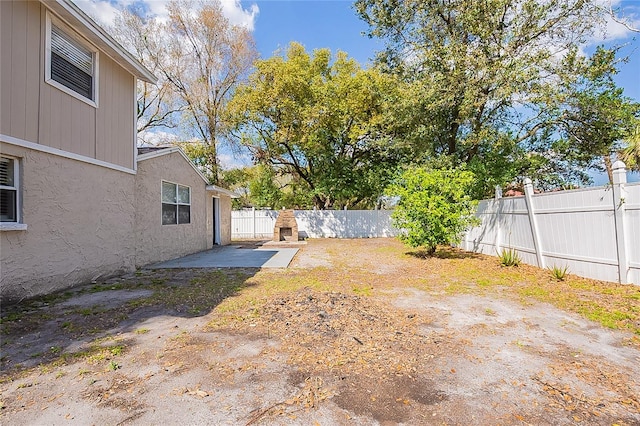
x=434, y=206
x=509, y=257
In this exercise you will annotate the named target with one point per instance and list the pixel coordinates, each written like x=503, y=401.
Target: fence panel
x=315, y=223
x=632, y=205
x=586, y=230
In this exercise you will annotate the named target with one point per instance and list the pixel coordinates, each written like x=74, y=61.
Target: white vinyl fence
x=251, y=224
x=593, y=231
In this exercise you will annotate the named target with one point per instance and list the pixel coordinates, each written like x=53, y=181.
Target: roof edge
x=222, y=190
x=177, y=149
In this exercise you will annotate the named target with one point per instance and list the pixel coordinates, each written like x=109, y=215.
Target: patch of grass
x=365, y=290
x=83, y=371
x=24, y=385
x=509, y=257
x=113, y=366
x=98, y=288
x=142, y=331
x=11, y=316
x=559, y=273
x=540, y=293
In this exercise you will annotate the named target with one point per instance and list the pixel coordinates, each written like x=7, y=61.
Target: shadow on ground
x=446, y=253
x=65, y=326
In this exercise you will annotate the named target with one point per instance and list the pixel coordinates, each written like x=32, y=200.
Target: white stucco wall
x=86, y=222
x=157, y=242
x=80, y=220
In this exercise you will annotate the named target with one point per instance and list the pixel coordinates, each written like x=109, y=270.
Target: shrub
x=434, y=206
x=559, y=273
x=509, y=257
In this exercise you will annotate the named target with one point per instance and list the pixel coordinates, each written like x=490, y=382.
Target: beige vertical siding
x=115, y=125
x=20, y=69
x=35, y=111
x=80, y=220
x=157, y=242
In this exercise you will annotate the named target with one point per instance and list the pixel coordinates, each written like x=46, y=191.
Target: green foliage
x=320, y=124
x=630, y=153
x=484, y=86
x=559, y=273
x=434, y=206
x=509, y=257
x=594, y=116
x=264, y=190
x=204, y=157
x=261, y=186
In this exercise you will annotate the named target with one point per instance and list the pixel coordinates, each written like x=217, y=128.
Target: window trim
x=176, y=204
x=17, y=225
x=53, y=20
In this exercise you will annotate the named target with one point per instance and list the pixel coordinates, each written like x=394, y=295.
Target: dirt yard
x=355, y=332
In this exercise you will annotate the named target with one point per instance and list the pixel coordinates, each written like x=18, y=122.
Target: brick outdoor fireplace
x=286, y=228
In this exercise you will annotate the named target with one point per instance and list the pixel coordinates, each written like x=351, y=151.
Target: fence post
x=497, y=211
x=619, y=198
x=253, y=222
x=528, y=195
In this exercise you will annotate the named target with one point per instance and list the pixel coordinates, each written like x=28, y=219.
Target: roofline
x=175, y=149
x=72, y=14
x=222, y=190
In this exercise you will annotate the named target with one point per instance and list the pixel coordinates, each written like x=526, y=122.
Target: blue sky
x=315, y=24
x=334, y=24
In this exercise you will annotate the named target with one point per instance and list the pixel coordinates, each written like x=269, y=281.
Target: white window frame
x=52, y=20
x=17, y=225
x=177, y=203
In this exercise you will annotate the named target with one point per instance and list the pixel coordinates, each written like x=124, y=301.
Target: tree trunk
x=609, y=167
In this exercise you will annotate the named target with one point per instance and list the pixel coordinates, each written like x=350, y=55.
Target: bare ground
x=356, y=332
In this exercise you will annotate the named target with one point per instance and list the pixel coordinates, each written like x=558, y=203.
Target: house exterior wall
x=33, y=110
x=157, y=242
x=80, y=220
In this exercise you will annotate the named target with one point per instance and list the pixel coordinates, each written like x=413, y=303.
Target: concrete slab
x=233, y=257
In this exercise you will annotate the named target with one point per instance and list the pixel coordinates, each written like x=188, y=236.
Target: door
x=216, y=221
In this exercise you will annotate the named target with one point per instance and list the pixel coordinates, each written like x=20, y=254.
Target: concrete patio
x=233, y=257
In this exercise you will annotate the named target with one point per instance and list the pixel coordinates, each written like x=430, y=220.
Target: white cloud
x=105, y=11
x=237, y=15
x=629, y=14
x=156, y=137
x=234, y=161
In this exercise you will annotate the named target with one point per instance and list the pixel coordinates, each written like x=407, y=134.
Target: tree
x=483, y=78
x=157, y=105
x=322, y=123
x=434, y=206
x=594, y=116
x=204, y=58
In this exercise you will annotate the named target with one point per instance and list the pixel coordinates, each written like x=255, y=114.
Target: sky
x=335, y=25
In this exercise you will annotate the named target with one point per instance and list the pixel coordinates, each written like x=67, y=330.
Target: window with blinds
x=176, y=204
x=8, y=190
x=72, y=64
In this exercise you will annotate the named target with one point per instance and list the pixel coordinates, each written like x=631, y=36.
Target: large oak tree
x=322, y=122
x=485, y=78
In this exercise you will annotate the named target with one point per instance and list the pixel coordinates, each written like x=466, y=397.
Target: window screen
x=176, y=204
x=8, y=190
x=71, y=63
